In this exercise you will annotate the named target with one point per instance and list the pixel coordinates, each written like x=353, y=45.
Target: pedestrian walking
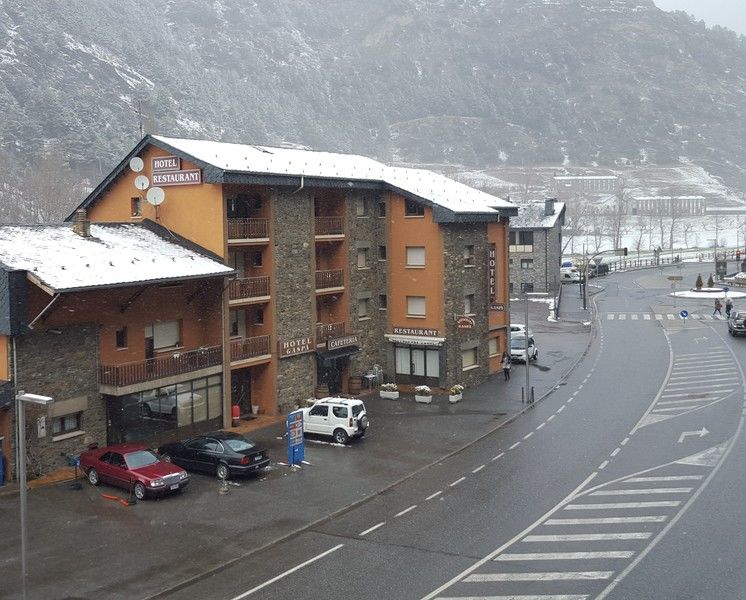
x=728, y=307
x=718, y=306
x=506, y=365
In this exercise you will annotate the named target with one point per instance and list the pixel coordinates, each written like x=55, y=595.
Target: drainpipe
x=47, y=308
x=302, y=185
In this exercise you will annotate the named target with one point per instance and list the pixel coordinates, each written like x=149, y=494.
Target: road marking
x=540, y=426
x=664, y=478
x=479, y=468
x=685, y=490
x=550, y=418
x=676, y=408
x=575, y=393
x=646, y=316
x=613, y=454
x=367, y=531
x=618, y=505
x=560, y=409
x=459, y=480
x=603, y=465
x=549, y=576
x=621, y=316
x=588, y=537
x=563, y=555
x=692, y=401
x=671, y=317
x=531, y=597
x=435, y=495
x=634, y=317
x=658, y=317
x=607, y=520
x=624, y=441
x=610, y=316
x=528, y=435
x=514, y=445
x=700, y=434
x=498, y=456
x=405, y=511
x=288, y=572
x=703, y=386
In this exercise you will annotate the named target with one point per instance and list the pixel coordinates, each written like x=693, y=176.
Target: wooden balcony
x=326, y=331
x=161, y=367
x=330, y=280
x=330, y=227
x=248, y=289
x=242, y=231
x=251, y=347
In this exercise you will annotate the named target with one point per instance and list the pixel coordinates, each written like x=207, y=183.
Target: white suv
x=341, y=418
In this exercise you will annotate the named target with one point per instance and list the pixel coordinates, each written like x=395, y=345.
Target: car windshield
x=739, y=316
x=141, y=458
x=239, y=444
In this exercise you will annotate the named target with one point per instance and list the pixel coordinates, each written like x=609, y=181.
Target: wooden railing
x=330, y=226
x=162, y=366
x=328, y=331
x=246, y=229
x=250, y=347
x=329, y=279
x=249, y=287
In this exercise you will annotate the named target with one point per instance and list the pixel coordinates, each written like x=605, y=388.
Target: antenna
x=141, y=182
x=136, y=164
x=155, y=196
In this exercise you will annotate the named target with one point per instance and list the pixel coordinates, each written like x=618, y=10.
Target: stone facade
x=294, y=291
x=62, y=364
x=546, y=258
x=463, y=280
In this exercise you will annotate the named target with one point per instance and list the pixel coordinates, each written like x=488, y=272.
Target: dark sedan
x=221, y=452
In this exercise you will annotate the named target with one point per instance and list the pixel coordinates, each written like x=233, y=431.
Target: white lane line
x=580, y=387
x=479, y=468
x=731, y=374
x=618, y=505
x=610, y=317
x=670, y=402
x=550, y=417
x=622, y=316
x=405, y=511
x=528, y=435
x=674, y=408
x=540, y=426
x=548, y=576
x=624, y=441
x=459, y=480
x=514, y=445
x=664, y=478
x=575, y=393
x=499, y=456
x=658, y=317
x=646, y=316
x=589, y=537
x=684, y=490
x=671, y=317
x=693, y=388
x=613, y=454
x=529, y=597
x=634, y=317
x=699, y=354
x=560, y=409
x=687, y=394
x=569, y=400
x=288, y=572
x=603, y=465
x=435, y=495
x=607, y=520
x=367, y=531
x=564, y=555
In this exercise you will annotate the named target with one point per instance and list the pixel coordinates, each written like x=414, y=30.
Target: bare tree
x=642, y=228
x=687, y=228
x=618, y=214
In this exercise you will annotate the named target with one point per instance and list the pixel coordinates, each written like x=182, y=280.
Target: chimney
x=549, y=206
x=81, y=224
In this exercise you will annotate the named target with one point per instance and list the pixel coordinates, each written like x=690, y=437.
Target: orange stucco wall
x=406, y=281
x=196, y=212
x=497, y=233
x=4, y=366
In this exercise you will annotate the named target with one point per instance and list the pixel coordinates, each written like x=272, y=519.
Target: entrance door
x=418, y=362
x=241, y=390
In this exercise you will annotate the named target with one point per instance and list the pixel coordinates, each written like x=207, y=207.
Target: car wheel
x=139, y=490
x=93, y=477
x=222, y=471
x=147, y=411
x=536, y=355
x=340, y=436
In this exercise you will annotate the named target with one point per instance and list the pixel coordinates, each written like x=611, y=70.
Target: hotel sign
x=416, y=332
x=465, y=322
x=492, y=273
x=166, y=163
x=295, y=346
x=167, y=171
x=342, y=342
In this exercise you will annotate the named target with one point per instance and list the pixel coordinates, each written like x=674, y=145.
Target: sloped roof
x=532, y=216
x=116, y=255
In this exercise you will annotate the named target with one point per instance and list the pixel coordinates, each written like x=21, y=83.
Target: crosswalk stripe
x=610, y=316
x=693, y=388
x=671, y=317
x=732, y=376
x=670, y=409
x=709, y=353
x=514, y=597
x=617, y=505
x=685, y=490
x=607, y=520
x=658, y=317
x=680, y=402
x=634, y=317
x=588, y=537
x=548, y=576
x=658, y=479
x=621, y=316
x=564, y=555
x=646, y=316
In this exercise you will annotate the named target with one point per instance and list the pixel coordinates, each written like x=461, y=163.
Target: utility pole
x=529, y=398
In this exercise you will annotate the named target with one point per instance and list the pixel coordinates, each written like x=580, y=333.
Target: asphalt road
x=626, y=482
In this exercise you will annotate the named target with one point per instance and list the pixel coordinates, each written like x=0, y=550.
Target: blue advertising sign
x=295, y=437
x=683, y=314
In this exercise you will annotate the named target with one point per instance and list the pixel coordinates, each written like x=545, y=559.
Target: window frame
x=364, y=253
x=412, y=256
x=78, y=416
x=120, y=338
x=413, y=209
x=410, y=305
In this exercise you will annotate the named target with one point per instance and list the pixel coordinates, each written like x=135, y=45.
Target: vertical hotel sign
x=492, y=279
x=167, y=171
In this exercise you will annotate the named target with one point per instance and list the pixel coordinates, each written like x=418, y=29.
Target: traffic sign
x=684, y=314
x=295, y=437
x=675, y=277
x=726, y=289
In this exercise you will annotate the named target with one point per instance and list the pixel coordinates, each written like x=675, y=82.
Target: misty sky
x=728, y=13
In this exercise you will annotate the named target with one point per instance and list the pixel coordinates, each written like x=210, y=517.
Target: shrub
x=389, y=387
x=423, y=390
x=710, y=281
x=699, y=282
x=456, y=389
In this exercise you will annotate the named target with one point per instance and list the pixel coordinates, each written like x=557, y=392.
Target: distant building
x=535, y=246
x=668, y=206
x=566, y=186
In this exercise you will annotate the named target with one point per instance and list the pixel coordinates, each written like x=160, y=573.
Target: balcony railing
x=329, y=279
x=328, y=331
x=249, y=287
x=330, y=226
x=250, y=347
x=247, y=229
x=151, y=369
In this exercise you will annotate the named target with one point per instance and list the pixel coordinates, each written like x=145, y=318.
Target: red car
x=133, y=466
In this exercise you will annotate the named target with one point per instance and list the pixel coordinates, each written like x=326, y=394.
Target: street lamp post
x=22, y=397
x=528, y=388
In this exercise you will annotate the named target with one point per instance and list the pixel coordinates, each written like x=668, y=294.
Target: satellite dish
x=155, y=196
x=136, y=164
x=141, y=182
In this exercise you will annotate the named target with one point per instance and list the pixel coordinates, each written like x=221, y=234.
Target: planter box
x=389, y=395
x=423, y=399
x=453, y=398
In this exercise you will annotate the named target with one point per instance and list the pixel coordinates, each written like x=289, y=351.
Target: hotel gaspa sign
x=167, y=171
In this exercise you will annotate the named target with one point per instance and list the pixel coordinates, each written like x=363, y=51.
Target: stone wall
x=545, y=270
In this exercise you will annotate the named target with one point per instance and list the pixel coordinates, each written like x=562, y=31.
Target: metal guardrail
x=250, y=347
x=246, y=229
x=151, y=369
x=329, y=226
x=329, y=279
x=249, y=287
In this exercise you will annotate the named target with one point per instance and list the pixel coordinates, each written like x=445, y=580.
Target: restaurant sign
x=465, y=322
x=417, y=332
x=342, y=342
x=185, y=177
x=295, y=346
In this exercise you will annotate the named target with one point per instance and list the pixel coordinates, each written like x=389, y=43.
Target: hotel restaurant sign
x=492, y=279
x=167, y=171
x=295, y=346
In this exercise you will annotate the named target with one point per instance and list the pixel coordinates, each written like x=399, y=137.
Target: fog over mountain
x=471, y=82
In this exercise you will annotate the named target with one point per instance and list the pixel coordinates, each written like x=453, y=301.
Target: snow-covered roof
x=583, y=177
x=424, y=184
x=114, y=255
x=532, y=216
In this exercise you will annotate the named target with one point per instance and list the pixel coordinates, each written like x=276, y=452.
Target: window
x=319, y=411
x=234, y=323
x=381, y=208
x=414, y=209
x=527, y=263
x=136, y=207
x=469, y=255
x=381, y=252
x=121, y=336
x=259, y=316
x=256, y=259
x=521, y=241
x=527, y=288
x=492, y=347
x=339, y=411
x=362, y=308
x=383, y=301
x=360, y=207
x=165, y=335
x=67, y=423
x=416, y=306
x=469, y=358
x=415, y=256
x=419, y=362
x=469, y=304
x=362, y=258
x=510, y=287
